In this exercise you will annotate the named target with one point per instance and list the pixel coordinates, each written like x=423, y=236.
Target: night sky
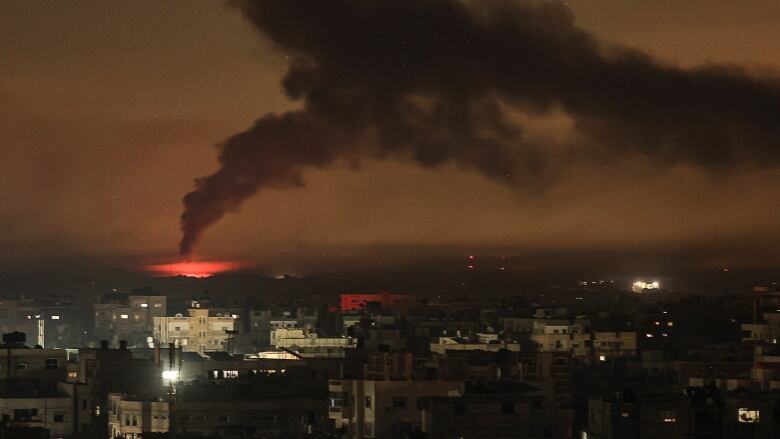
x=110, y=110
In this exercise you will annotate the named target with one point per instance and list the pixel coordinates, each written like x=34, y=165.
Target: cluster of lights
x=639, y=285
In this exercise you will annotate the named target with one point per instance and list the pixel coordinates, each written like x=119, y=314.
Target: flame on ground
x=193, y=269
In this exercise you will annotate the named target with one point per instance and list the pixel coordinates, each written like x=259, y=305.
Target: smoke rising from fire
x=436, y=82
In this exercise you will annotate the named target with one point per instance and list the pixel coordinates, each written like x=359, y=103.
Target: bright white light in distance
x=170, y=374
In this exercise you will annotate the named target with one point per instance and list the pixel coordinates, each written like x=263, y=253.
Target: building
x=196, y=332
x=128, y=317
x=49, y=407
x=562, y=335
x=309, y=344
x=383, y=409
x=609, y=345
x=359, y=302
x=444, y=344
x=626, y=416
x=130, y=417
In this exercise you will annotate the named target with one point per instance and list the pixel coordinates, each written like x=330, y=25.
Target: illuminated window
x=668, y=416
x=649, y=335
x=158, y=305
x=602, y=358
x=748, y=416
x=624, y=414
x=123, y=316
x=55, y=317
x=670, y=324
x=230, y=373
x=144, y=305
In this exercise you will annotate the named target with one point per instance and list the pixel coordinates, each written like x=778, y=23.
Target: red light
x=193, y=269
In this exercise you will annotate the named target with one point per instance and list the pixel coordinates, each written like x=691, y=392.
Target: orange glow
x=193, y=269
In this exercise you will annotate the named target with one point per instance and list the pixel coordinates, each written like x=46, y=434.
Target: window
x=399, y=401
x=368, y=402
x=59, y=417
x=135, y=421
x=748, y=416
x=52, y=363
x=25, y=414
x=123, y=316
x=224, y=418
x=177, y=328
x=21, y=366
x=55, y=317
x=668, y=416
x=144, y=305
x=158, y=305
x=127, y=420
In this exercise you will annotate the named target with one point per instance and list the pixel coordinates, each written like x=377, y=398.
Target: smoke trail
x=430, y=82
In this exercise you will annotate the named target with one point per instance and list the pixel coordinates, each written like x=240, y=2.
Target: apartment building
x=196, y=332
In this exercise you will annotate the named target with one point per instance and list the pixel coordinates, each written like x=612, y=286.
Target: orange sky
x=109, y=110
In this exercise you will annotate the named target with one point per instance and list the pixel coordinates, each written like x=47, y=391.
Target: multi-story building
x=131, y=418
x=48, y=322
x=609, y=345
x=562, y=335
x=444, y=344
x=383, y=409
x=128, y=317
x=626, y=416
x=196, y=332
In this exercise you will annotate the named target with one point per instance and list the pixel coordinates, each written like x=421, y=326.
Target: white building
x=562, y=335
x=196, y=332
x=445, y=344
x=130, y=418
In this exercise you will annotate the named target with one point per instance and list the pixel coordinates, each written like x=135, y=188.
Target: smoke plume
x=433, y=82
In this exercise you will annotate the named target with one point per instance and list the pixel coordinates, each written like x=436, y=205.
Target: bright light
x=170, y=374
x=749, y=416
x=123, y=316
x=193, y=269
x=639, y=285
x=144, y=305
x=55, y=317
x=602, y=358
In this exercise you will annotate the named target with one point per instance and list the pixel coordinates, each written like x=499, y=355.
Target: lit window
x=602, y=358
x=749, y=416
x=669, y=324
x=657, y=323
x=158, y=305
x=144, y=305
x=55, y=317
x=649, y=335
x=123, y=316
x=668, y=416
x=624, y=414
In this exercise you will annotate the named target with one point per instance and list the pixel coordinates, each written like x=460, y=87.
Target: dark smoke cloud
x=431, y=81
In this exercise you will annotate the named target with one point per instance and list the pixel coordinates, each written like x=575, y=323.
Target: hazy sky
x=109, y=110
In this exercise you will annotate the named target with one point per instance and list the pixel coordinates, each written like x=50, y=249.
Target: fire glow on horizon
x=193, y=269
